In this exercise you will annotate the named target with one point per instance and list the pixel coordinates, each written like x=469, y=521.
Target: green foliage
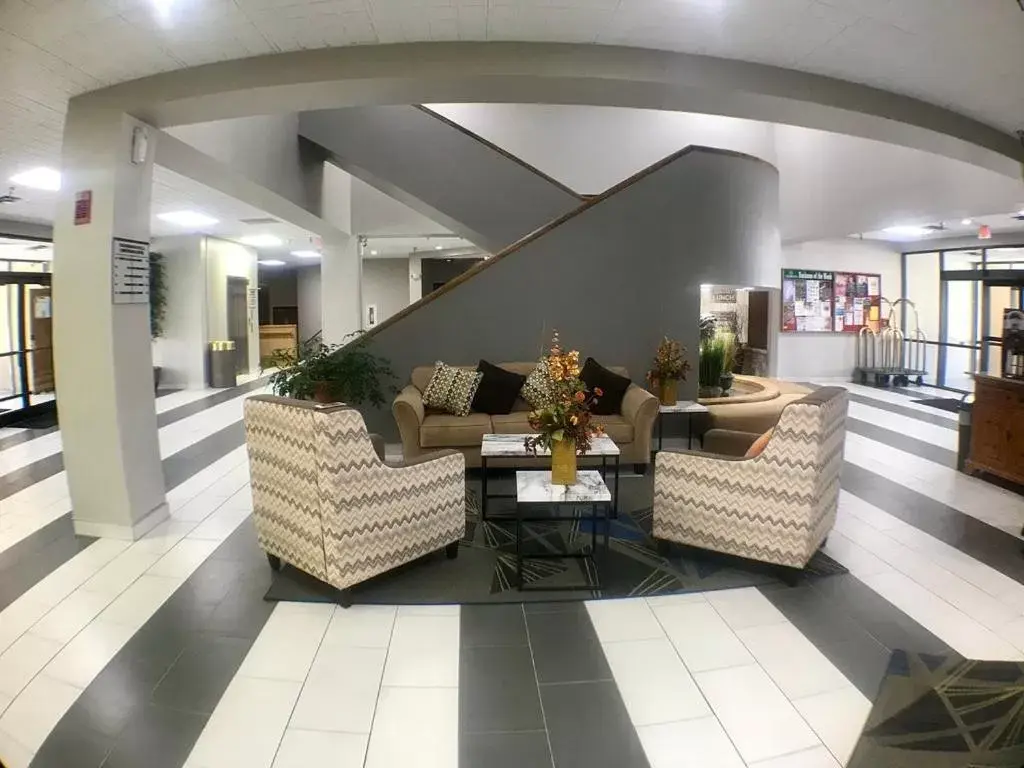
x=728, y=341
x=708, y=326
x=157, y=294
x=347, y=373
x=712, y=362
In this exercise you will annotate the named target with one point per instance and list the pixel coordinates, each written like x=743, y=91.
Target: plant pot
x=563, y=462
x=710, y=392
x=726, y=382
x=322, y=392
x=668, y=391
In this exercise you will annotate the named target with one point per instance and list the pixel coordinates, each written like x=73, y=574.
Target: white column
x=102, y=350
x=340, y=289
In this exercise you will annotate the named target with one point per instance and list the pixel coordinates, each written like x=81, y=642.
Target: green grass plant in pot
x=709, y=370
x=728, y=341
x=329, y=373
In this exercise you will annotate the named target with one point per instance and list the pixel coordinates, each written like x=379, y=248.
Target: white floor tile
x=36, y=712
x=5, y=701
x=23, y=661
x=702, y=638
x=183, y=558
x=819, y=757
x=653, y=682
x=315, y=749
x=838, y=718
x=424, y=652
x=15, y=754
x=245, y=729
x=140, y=601
x=361, y=626
x=627, y=619
x=792, y=661
x=288, y=642
x=699, y=743
x=89, y=652
x=71, y=615
x=115, y=577
x=415, y=728
x=341, y=691
x=743, y=608
x=757, y=716
x=17, y=618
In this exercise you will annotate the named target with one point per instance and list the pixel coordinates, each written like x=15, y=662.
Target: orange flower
x=580, y=397
x=598, y=392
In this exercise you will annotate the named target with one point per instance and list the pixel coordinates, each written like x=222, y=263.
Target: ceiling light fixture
x=271, y=262
x=187, y=218
x=261, y=241
x=373, y=253
x=437, y=247
x=39, y=178
x=307, y=254
x=967, y=222
x=907, y=231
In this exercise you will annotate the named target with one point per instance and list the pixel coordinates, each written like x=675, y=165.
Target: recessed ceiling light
x=187, y=218
x=437, y=247
x=271, y=262
x=261, y=241
x=307, y=254
x=373, y=253
x=967, y=222
x=39, y=178
x=907, y=231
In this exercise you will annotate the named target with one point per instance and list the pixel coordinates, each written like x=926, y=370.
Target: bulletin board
x=807, y=300
x=857, y=302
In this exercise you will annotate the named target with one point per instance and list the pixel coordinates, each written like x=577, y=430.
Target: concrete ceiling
x=965, y=55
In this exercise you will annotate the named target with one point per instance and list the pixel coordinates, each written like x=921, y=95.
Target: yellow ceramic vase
x=563, y=462
x=668, y=391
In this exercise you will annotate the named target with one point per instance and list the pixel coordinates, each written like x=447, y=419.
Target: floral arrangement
x=669, y=364
x=567, y=417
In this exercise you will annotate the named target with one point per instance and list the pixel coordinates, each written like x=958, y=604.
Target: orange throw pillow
x=759, y=445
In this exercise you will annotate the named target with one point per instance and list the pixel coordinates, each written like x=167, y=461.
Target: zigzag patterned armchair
x=777, y=507
x=325, y=502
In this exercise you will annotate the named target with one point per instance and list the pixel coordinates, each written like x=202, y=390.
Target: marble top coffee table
x=511, y=447
x=686, y=407
x=538, y=500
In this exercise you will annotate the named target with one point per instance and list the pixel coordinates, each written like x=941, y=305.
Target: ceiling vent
x=10, y=197
x=260, y=221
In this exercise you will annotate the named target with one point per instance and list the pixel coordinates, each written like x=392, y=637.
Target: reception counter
x=997, y=428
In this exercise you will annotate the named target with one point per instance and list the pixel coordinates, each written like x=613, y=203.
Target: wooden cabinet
x=997, y=428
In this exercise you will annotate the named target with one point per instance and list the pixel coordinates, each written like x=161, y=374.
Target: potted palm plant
x=329, y=373
x=668, y=369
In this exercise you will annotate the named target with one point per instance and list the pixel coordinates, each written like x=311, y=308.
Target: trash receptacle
x=222, y=364
x=964, y=430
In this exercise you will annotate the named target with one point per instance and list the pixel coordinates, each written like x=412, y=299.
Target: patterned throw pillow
x=451, y=389
x=537, y=389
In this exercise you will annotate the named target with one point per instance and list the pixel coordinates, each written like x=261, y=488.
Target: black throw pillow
x=498, y=389
x=613, y=386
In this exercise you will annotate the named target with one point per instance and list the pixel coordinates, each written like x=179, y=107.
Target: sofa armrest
x=728, y=442
x=409, y=413
x=640, y=408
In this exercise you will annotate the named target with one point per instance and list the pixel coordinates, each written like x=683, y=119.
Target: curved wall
x=613, y=279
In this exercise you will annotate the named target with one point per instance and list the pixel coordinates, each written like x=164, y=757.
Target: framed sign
x=130, y=271
x=807, y=300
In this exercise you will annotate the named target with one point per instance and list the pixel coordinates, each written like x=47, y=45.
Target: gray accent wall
x=613, y=280
x=438, y=171
x=442, y=270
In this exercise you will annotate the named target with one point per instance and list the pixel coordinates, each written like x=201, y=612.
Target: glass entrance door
x=26, y=343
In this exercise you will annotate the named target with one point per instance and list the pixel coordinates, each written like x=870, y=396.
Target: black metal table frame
x=689, y=427
x=604, y=476
x=594, y=519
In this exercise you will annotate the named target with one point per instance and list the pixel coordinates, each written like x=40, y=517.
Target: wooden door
x=238, y=321
x=40, y=325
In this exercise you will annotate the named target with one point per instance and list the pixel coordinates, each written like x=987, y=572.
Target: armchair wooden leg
x=344, y=598
x=452, y=550
x=275, y=562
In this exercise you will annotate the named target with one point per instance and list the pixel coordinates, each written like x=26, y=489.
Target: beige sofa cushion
x=514, y=423
x=421, y=374
x=617, y=428
x=440, y=430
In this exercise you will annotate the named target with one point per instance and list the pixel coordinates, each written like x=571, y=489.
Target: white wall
x=181, y=351
x=831, y=355
x=386, y=284
x=310, y=306
x=374, y=213
x=225, y=259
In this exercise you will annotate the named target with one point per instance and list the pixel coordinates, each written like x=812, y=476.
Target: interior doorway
x=40, y=307
x=26, y=345
x=238, y=321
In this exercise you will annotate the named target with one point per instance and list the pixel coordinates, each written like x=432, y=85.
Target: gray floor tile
x=504, y=750
x=157, y=737
x=566, y=648
x=492, y=625
x=124, y=686
x=590, y=728
x=497, y=690
x=75, y=746
x=197, y=680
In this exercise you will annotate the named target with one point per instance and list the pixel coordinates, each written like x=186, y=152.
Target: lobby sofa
x=423, y=430
x=777, y=507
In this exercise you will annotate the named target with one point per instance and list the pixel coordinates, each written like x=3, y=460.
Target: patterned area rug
x=945, y=712
x=485, y=570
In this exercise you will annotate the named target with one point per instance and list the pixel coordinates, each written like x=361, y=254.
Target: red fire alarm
x=985, y=232
x=83, y=207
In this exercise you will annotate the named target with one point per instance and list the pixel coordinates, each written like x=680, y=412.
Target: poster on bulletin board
x=857, y=302
x=806, y=300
